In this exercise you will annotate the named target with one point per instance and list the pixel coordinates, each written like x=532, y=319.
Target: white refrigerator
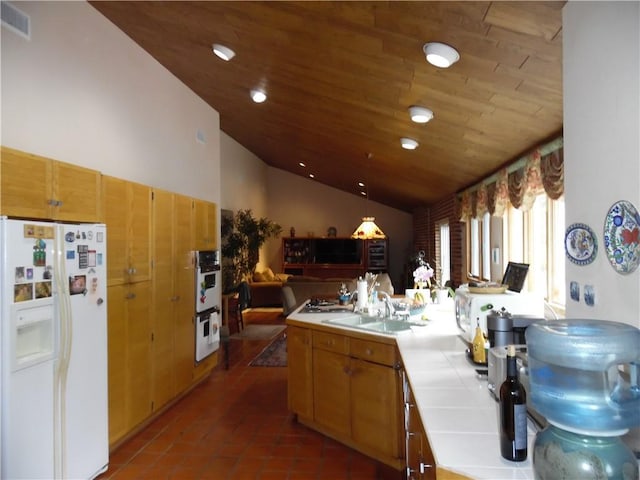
x=53, y=301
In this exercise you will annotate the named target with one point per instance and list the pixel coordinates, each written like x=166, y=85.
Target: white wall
x=601, y=70
x=83, y=92
x=244, y=178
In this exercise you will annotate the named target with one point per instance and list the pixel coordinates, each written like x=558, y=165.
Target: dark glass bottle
x=513, y=413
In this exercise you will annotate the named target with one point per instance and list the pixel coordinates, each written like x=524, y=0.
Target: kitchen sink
x=353, y=320
x=371, y=324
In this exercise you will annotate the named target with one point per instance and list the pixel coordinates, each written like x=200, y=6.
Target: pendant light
x=368, y=228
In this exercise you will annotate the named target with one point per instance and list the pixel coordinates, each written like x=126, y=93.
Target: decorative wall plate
x=580, y=244
x=622, y=237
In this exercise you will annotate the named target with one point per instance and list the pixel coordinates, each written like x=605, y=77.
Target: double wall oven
x=208, y=296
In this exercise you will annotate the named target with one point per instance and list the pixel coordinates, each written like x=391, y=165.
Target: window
x=480, y=247
x=536, y=237
x=444, y=256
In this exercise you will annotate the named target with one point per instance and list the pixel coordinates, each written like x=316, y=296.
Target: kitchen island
x=456, y=412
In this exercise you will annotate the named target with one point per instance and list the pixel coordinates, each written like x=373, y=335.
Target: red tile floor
x=235, y=425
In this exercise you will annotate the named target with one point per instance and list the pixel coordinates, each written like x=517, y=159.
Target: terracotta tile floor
x=235, y=425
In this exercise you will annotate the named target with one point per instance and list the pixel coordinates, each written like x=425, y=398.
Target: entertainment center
x=333, y=257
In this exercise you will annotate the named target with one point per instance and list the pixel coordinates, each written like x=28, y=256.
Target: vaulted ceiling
x=340, y=77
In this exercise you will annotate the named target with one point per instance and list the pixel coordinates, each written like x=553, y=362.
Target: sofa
x=266, y=288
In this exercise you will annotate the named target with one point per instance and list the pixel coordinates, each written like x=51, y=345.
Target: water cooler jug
x=585, y=380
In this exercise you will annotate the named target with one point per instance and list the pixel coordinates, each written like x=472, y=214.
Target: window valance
x=518, y=184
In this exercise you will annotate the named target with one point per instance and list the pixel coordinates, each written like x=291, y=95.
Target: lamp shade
x=368, y=229
x=440, y=54
x=420, y=114
x=225, y=53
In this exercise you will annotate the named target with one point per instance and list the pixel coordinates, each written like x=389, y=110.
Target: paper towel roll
x=362, y=300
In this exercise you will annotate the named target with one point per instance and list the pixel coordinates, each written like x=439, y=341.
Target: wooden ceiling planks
x=341, y=75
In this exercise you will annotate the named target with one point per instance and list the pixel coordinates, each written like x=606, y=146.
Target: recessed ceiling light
x=225, y=53
x=301, y=164
x=360, y=184
x=420, y=114
x=311, y=175
x=364, y=194
x=408, y=143
x=440, y=54
x=258, y=96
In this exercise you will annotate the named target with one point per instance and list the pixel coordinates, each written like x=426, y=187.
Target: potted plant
x=242, y=237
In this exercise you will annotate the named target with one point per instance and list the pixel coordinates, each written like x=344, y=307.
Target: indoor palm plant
x=242, y=237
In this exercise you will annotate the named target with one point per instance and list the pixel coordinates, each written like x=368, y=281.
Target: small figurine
x=343, y=294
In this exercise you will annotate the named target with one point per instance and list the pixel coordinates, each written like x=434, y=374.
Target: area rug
x=258, y=332
x=274, y=354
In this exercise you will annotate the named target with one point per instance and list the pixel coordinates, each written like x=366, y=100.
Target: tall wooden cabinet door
x=25, y=184
x=77, y=192
x=115, y=208
x=184, y=291
x=139, y=232
x=376, y=407
x=163, y=299
x=138, y=300
x=126, y=209
x=300, y=380
x=117, y=362
x=205, y=225
x=331, y=404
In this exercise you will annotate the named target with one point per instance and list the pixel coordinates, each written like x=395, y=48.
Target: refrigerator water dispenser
x=34, y=335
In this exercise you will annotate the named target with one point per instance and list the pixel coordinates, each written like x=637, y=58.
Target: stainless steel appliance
x=208, y=297
x=506, y=329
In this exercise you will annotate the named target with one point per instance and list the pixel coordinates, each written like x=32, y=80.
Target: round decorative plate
x=622, y=237
x=580, y=244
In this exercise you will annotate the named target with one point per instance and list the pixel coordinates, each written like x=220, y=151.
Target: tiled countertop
x=459, y=415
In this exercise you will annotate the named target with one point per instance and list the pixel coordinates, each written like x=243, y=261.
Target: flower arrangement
x=422, y=275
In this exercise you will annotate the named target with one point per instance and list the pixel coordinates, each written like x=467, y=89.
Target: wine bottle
x=513, y=413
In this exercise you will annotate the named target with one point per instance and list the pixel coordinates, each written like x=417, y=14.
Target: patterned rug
x=274, y=354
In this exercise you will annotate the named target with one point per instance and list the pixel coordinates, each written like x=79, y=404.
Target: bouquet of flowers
x=422, y=275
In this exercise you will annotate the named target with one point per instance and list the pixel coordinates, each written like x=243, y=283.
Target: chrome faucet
x=389, y=309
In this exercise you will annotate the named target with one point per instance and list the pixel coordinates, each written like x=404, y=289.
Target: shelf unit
x=332, y=257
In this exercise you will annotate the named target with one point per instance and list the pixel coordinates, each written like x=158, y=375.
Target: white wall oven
x=208, y=297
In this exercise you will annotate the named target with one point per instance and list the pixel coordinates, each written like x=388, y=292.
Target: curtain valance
x=518, y=185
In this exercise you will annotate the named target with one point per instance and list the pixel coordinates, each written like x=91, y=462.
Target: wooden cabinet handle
x=368, y=351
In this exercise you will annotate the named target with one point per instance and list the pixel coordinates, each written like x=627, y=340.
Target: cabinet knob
x=368, y=351
x=130, y=296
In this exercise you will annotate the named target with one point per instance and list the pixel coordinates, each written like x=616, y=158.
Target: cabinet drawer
x=331, y=342
x=374, y=352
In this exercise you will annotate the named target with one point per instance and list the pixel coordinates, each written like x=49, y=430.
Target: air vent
x=16, y=20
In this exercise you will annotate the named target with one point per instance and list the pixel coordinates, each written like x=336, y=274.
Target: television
x=338, y=250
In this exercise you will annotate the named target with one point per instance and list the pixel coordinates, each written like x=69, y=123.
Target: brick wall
x=425, y=221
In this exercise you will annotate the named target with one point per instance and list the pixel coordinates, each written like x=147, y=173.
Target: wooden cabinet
x=173, y=297
x=420, y=464
x=376, y=254
x=127, y=214
x=300, y=379
x=38, y=187
x=354, y=392
x=205, y=225
x=129, y=357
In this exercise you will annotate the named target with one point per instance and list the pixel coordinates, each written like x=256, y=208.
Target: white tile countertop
x=458, y=413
